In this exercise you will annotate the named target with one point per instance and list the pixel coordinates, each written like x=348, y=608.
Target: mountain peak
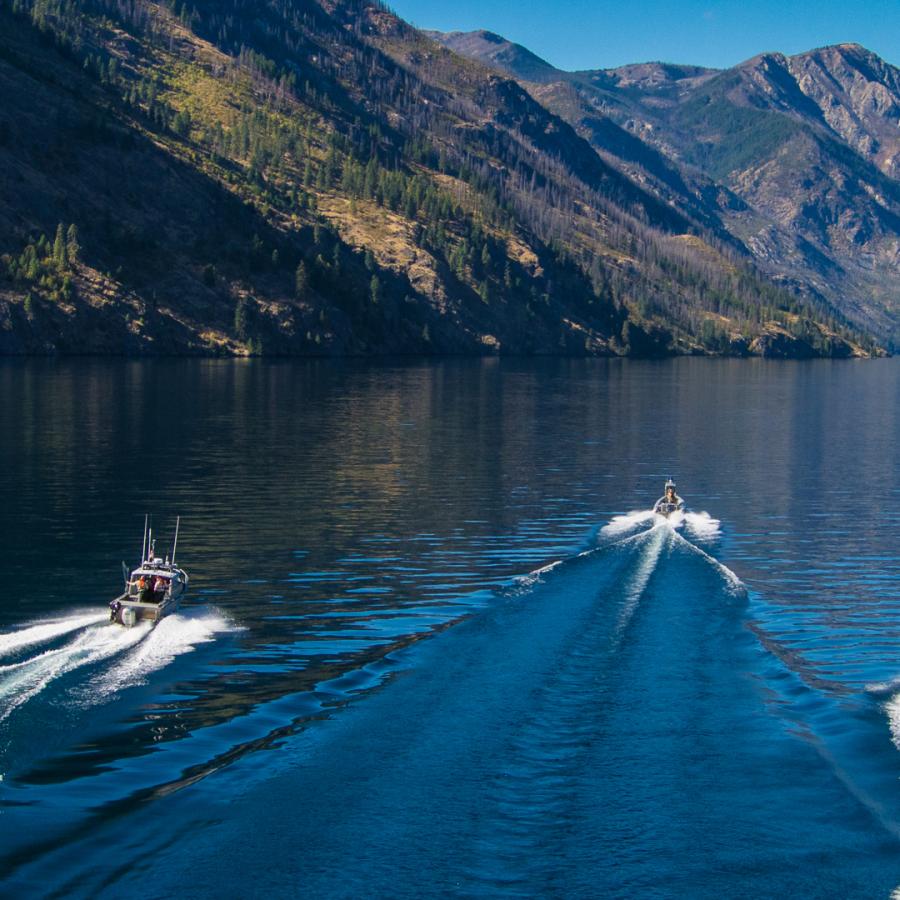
x=495, y=50
x=656, y=74
x=490, y=36
x=763, y=62
x=848, y=47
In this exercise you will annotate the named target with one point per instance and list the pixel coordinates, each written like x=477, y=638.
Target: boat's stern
x=132, y=612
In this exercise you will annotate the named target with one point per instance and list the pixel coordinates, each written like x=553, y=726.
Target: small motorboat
x=670, y=502
x=154, y=589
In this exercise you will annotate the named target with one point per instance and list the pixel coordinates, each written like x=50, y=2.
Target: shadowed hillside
x=321, y=178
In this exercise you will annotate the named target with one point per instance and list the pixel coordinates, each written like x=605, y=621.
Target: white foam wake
x=21, y=681
x=638, y=584
x=174, y=636
x=521, y=582
x=735, y=585
x=43, y=632
x=883, y=687
x=620, y=525
x=891, y=707
x=702, y=525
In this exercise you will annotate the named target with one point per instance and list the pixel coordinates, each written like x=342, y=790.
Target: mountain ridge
x=321, y=178
x=807, y=144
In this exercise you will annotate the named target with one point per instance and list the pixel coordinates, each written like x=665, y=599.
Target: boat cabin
x=152, y=582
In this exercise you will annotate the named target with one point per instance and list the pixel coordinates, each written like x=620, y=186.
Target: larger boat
x=154, y=589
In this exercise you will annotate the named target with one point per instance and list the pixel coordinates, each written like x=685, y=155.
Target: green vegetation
x=46, y=266
x=728, y=138
x=251, y=175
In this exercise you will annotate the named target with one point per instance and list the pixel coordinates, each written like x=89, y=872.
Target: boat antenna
x=174, y=545
x=144, y=547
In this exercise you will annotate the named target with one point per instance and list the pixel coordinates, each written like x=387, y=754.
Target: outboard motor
x=129, y=617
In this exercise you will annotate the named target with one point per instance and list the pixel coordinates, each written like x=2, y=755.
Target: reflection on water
x=336, y=514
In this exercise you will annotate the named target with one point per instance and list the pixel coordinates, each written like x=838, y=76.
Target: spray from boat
x=103, y=659
x=695, y=525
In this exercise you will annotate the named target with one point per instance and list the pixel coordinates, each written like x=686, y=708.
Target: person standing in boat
x=669, y=502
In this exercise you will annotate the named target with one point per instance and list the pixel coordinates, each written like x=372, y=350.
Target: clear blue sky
x=579, y=34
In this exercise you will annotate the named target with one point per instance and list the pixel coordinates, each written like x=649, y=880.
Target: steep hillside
x=858, y=94
x=758, y=132
x=251, y=176
x=790, y=158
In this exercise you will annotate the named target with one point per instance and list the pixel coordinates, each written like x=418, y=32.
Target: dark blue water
x=367, y=693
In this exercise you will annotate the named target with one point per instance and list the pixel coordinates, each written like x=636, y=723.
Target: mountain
x=255, y=176
x=793, y=159
x=493, y=50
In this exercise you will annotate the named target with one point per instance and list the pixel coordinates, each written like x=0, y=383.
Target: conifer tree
x=59, y=247
x=240, y=318
x=301, y=281
x=72, y=245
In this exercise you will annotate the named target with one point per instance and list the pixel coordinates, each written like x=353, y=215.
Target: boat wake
x=523, y=742
x=698, y=526
x=176, y=635
x=600, y=693
x=20, y=681
x=887, y=695
x=43, y=632
x=43, y=654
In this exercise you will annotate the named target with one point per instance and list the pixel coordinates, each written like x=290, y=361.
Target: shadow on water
x=601, y=724
x=627, y=721
x=597, y=726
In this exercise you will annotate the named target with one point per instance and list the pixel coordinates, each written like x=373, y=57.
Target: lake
x=433, y=642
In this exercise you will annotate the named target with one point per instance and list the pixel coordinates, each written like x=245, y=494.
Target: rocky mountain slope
x=793, y=158
x=253, y=176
